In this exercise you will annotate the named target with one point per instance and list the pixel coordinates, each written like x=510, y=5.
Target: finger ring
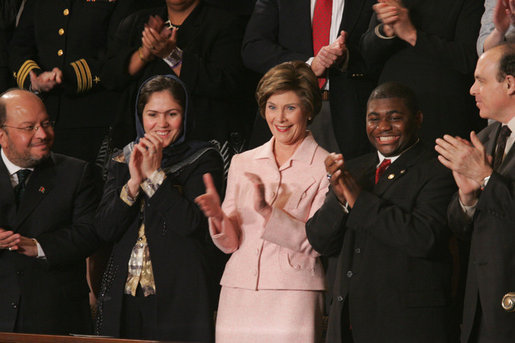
x=9, y=248
x=329, y=176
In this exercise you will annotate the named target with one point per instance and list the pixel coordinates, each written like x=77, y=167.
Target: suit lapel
x=508, y=164
x=301, y=11
x=491, y=138
x=490, y=141
x=7, y=200
x=40, y=184
x=398, y=169
x=350, y=16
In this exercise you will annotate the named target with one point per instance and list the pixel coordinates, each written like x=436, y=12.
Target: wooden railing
x=9, y=337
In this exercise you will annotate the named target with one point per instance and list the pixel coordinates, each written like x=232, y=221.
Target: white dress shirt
x=13, y=169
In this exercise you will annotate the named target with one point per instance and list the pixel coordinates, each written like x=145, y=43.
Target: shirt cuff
x=469, y=210
x=152, y=184
x=126, y=198
x=41, y=253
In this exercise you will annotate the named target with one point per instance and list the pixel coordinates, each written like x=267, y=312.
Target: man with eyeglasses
x=47, y=205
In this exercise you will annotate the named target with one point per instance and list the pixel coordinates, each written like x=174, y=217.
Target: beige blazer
x=275, y=254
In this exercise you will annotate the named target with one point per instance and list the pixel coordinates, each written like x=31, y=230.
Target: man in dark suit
x=47, y=205
x=385, y=218
x=483, y=210
x=281, y=30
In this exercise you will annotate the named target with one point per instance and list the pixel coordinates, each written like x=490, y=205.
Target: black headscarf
x=179, y=149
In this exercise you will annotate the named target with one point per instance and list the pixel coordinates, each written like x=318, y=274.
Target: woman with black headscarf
x=158, y=284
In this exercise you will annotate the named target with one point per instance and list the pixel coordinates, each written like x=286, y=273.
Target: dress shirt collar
x=12, y=168
x=511, y=139
x=393, y=158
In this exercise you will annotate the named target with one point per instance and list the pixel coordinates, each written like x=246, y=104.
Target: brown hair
x=161, y=83
x=291, y=76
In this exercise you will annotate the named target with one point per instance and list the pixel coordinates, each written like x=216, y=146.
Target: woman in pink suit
x=272, y=286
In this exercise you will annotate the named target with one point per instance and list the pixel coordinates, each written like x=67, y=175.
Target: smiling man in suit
x=47, y=204
x=385, y=219
x=483, y=210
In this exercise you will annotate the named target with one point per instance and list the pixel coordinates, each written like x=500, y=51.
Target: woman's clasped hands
x=145, y=160
x=157, y=39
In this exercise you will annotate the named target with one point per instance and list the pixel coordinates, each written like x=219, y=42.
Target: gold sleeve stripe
x=89, y=78
x=83, y=74
x=24, y=71
x=79, y=77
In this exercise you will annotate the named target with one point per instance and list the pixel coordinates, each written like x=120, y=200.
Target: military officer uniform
x=71, y=35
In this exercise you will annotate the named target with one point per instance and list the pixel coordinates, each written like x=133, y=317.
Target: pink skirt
x=271, y=316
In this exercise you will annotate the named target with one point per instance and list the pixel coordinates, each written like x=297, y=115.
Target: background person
x=197, y=42
x=430, y=47
x=496, y=24
x=58, y=51
x=272, y=286
x=158, y=284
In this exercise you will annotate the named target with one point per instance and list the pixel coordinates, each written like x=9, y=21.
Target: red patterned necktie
x=321, y=28
x=382, y=167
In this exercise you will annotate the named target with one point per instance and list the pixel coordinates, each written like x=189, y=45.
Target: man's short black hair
x=390, y=90
x=506, y=61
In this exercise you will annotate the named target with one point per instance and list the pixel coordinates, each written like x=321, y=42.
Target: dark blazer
x=58, y=210
x=280, y=31
x=211, y=69
x=180, y=249
x=492, y=254
x=439, y=68
x=394, y=268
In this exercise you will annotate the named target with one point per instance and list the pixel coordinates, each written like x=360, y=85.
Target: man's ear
x=509, y=84
x=419, y=117
x=3, y=137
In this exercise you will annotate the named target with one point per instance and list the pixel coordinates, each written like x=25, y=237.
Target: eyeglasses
x=46, y=125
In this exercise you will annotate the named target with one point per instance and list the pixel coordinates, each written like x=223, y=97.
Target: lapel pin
x=403, y=171
x=391, y=176
x=42, y=190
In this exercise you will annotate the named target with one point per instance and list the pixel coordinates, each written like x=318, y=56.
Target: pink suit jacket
x=276, y=254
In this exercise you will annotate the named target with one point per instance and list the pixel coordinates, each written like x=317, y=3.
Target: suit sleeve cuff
x=78, y=76
x=22, y=76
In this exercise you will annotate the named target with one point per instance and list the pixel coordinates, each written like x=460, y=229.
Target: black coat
x=57, y=209
x=280, y=31
x=394, y=269
x=180, y=250
x=210, y=39
x=439, y=68
x=492, y=255
x=73, y=36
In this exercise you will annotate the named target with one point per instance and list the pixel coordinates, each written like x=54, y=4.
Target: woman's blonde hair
x=291, y=76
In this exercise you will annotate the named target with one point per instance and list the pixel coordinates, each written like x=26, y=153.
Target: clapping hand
x=209, y=202
x=343, y=183
x=145, y=160
x=157, y=38
x=504, y=15
x=46, y=81
x=395, y=18
x=260, y=204
x=468, y=161
x=330, y=55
